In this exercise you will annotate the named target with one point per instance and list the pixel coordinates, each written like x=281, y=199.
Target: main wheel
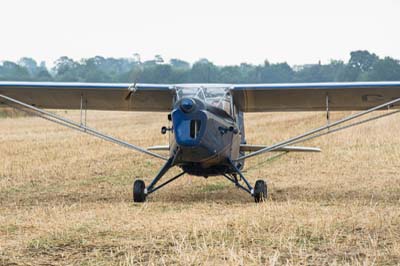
x=260, y=191
x=138, y=191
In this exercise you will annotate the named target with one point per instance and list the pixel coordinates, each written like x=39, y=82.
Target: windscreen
x=216, y=96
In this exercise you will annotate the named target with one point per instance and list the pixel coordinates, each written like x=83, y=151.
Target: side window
x=226, y=105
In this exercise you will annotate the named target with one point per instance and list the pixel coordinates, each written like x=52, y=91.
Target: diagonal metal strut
x=310, y=134
x=153, y=189
x=345, y=127
x=73, y=125
x=234, y=179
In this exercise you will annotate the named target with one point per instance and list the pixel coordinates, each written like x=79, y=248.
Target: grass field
x=65, y=198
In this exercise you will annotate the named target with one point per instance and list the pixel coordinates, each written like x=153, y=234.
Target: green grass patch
x=214, y=187
x=6, y=112
x=121, y=179
x=8, y=229
x=54, y=242
x=2, y=114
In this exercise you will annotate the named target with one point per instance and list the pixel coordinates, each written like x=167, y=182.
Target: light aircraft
x=207, y=132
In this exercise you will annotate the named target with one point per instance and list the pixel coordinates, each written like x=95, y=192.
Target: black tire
x=138, y=191
x=260, y=191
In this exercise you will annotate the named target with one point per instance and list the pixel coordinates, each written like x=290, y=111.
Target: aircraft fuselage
x=204, y=138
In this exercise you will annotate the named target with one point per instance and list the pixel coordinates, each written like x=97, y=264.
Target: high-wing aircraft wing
x=313, y=96
x=159, y=97
x=99, y=96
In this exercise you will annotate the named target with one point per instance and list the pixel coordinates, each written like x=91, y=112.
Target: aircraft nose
x=189, y=121
x=187, y=105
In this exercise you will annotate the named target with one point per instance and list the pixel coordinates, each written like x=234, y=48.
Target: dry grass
x=10, y=112
x=66, y=198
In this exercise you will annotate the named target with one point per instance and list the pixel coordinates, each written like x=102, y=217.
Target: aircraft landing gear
x=260, y=191
x=139, y=194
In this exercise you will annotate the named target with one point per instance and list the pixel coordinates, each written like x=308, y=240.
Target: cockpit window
x=216, y=96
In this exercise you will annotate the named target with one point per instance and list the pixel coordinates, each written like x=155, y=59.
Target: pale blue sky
x=226, y=32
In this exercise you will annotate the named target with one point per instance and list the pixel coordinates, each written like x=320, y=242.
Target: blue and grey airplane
x=207, y=129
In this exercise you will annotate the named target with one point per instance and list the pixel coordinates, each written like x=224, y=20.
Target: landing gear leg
x=140, y=192
x=259, y=192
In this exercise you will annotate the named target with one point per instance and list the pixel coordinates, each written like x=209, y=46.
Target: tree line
x=362, y=66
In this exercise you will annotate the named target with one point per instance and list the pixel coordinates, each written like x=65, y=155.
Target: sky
x=225, y=32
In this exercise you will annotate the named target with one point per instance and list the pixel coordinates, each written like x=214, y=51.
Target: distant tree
x=362, y=65
x=12, y=71
x=149, y=63
x=204, y=71
x=362, y=60
x=359, y=64
x=158, y=59
x=94, y=69
x=274, y=73
x=230, y=74
x=321, y=73
x=249, y=73
x=179, y=64
x=42, y=73
x=335, y=69
x=385, y=70
x=66, y=69
x=309, y=74
x=136, y=58
x=30, y=64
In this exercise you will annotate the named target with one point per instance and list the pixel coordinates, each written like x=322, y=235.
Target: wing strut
x=73, y=125
x=312, y=134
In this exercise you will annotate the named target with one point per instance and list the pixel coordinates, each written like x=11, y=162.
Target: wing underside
x=314, y=96
x=98, y=96
x=248, y=98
